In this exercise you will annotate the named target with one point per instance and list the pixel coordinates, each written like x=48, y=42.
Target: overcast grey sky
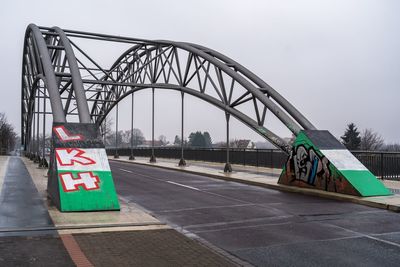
x=337, y=61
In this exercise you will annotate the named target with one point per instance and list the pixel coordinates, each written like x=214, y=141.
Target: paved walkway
x=33, y=232
x=268, y=177
x=21, y=205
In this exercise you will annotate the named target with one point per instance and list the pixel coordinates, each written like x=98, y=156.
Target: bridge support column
x=37, y=157
x=228, y=167
x=182, y=161
x=132, y=157
x=32, y=139
x=43, y=162
x=116, y=155
x=152, y=158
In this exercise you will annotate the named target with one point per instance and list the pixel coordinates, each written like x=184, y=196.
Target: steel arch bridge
x=54, y=66
x=57, y=71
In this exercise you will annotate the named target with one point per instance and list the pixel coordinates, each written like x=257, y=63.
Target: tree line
x=352, y=138
x=124, y=139
x=8, y=137
x=368, y=140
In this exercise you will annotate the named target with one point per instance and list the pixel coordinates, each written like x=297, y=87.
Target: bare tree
x=7, y=135
x=371, y=140
x=393, y=147
x=163, y=140
x=124, y=138
x=106, y=127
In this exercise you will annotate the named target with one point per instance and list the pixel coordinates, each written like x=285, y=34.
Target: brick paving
x=147, y=248
x=75, y=251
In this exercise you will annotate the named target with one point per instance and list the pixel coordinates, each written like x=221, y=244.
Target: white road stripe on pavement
x=125, y=170
x=190, y=187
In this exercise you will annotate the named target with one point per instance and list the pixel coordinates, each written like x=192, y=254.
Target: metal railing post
x=43, y=162
x=132, y=157
x=116, y=155
x=257, y=157
x=37, y=157
x=272, y=158
x=382, y=176
x=228, y=167
x=182, y=161
x=152, y=158
x=32, y=145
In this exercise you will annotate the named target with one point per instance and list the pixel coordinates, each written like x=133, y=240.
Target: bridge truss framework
x=57, y=71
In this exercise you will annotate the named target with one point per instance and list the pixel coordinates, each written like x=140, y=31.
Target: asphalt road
x=262, y=226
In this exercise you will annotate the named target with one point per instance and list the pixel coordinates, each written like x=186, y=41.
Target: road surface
x=261, y=226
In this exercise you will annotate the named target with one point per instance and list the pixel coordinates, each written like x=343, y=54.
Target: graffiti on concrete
x=307, y=165
x=80, y=178
x=308, y=168
x=70, y=156
x=86, y=180
x=332, y=168
x=65, y=136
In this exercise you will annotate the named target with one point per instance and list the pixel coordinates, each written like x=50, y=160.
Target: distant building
x=242, y=144
x=148, y=143
x=264, y=145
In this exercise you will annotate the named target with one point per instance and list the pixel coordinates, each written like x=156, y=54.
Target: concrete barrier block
x=80, y=178
x=318, y=160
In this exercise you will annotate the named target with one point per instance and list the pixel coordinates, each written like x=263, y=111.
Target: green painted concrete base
x=104, y=198
x=366, y=183
x=80, y=178
x=321, y=162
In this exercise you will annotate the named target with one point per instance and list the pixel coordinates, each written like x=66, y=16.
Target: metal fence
x=271, y=158
x=3, y=151
x=382, y=164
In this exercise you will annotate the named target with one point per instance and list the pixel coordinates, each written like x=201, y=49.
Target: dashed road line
x=125, y=170
x=187, y=186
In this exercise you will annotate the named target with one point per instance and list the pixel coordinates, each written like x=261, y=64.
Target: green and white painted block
x=85, y=180
x=355, y=172
x=80, y=178
x=318, y=160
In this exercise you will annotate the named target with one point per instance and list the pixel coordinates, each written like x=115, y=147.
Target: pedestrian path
x=22, y=207
x=268, y=177
x=34, y=232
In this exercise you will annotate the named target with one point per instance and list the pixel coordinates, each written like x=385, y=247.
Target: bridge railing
x=385, y=165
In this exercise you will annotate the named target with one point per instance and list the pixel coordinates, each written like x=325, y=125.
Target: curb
x=304, y=191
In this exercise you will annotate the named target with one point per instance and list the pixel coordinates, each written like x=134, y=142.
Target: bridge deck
x=263, y=226
x=33, y=232
x=234, y=223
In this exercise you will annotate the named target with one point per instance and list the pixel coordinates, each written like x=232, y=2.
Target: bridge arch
x=185, y=67
x=41, y=61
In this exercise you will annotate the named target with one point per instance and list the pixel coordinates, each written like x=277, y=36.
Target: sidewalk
x=129, y=237
x=267, y=177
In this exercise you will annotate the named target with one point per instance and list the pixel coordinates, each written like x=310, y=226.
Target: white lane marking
x=125, y=170
x=366, y=235
x=187, y=186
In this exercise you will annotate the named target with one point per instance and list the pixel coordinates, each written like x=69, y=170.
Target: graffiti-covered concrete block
x=318, y=160
x=80, y=178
